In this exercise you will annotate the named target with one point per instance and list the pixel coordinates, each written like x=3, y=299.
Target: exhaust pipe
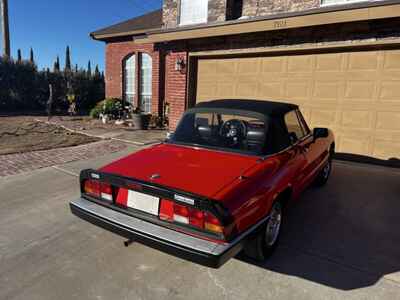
x=127, y=243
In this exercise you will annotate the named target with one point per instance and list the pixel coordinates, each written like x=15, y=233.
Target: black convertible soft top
x=268, y=108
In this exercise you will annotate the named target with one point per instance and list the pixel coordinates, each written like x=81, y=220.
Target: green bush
x=109, y=106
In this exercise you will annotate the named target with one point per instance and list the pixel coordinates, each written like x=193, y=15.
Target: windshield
x=226, y=131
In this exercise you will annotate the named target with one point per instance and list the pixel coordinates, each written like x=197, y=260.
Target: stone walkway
x=13, y=164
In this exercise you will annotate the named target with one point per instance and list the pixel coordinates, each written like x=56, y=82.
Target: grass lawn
x=24, y=134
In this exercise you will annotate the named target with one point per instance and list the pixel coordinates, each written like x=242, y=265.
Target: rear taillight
x=211, y=223
x=92, y=188
x=98, y=189
x=174, y=212
x=106, y=192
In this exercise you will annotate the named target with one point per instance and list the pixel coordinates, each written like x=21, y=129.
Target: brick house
x=338, y=59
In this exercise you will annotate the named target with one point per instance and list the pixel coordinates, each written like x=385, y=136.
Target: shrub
x=24, y=87
x=109, y=106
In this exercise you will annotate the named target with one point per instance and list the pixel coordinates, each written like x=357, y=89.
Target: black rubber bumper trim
x=205, y=259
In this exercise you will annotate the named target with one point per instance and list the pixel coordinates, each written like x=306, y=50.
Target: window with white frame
x=130, y=79
x=146, y=67
x=193, y=12
x=334, y=2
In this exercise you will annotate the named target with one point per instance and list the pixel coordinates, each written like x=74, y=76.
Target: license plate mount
x=143, y=202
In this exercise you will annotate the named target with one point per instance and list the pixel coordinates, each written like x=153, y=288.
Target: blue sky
x=48, y=26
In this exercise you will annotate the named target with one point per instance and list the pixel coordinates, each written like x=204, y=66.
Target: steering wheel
x=233, y=131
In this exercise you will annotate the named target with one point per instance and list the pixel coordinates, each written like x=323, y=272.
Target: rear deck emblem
x=155, y=176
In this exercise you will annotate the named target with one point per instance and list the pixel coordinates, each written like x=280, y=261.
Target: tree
x=5, y=28
x=76, y=68
x=97, y=72
x=57, y=65
x=68, y=60
x=19, y=56
x=31, y=57
x=89, y=69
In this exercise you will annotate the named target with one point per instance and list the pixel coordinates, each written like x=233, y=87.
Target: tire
x=323, y=176
x=263, y=244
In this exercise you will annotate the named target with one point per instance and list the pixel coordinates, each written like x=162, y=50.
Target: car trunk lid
x=195, y=170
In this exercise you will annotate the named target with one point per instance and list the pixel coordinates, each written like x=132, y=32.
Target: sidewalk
x=12, y=164
x=113, y=139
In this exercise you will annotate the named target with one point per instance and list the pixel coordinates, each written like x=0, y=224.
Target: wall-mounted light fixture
x=180, y=64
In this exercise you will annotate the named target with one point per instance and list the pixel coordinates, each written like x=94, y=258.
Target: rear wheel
x=264, y=243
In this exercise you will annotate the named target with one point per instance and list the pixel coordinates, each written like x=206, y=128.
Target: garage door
x=357, y=94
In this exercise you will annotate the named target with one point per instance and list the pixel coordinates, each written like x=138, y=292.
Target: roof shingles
x=138, y=25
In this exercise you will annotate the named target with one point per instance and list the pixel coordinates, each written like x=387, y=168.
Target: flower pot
x=137, y=121
x=145, y=121
x=140, y=121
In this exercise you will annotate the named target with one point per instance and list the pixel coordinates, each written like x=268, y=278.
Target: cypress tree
x=96, y=71
x=67, y=60
x=19, y=56
x=89, y=69
x=31, y=57
x=57, y=65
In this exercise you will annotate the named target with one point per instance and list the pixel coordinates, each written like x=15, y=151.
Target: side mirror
x=320, y=133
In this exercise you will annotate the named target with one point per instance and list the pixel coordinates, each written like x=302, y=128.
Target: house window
x=138, y=88
x=130, y=79
x=234, y=9
x=146, y=65
x=334, y=2
x=193, y=12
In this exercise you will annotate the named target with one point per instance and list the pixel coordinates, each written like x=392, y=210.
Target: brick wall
x=216, y=12
x=170, y=13
x=115, y=56
x=253, y=8
x=217, y=9
x=175, y=89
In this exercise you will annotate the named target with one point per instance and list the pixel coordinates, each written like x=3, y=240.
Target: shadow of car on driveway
x=345, y=235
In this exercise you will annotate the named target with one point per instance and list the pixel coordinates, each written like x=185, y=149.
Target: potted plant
x=139, y=119
x=108, y=109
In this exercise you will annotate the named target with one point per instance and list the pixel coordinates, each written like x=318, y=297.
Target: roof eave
x=105, y=37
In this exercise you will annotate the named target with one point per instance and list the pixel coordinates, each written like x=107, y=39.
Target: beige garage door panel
x=357, y=94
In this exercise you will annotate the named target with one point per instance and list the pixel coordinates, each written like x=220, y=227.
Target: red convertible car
x=217, y=186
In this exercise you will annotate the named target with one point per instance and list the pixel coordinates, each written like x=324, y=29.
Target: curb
x=72, y=130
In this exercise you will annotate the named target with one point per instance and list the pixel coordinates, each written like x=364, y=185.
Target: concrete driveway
x=339, y=241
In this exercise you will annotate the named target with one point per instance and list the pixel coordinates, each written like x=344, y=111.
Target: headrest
x=203, y=128
x=256, y=135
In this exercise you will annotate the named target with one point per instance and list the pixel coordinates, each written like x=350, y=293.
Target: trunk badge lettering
x=184, y=199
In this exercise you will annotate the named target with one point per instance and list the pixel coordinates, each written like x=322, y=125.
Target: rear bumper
x=182, y=245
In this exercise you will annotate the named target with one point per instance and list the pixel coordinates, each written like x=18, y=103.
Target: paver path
x=12, y=164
